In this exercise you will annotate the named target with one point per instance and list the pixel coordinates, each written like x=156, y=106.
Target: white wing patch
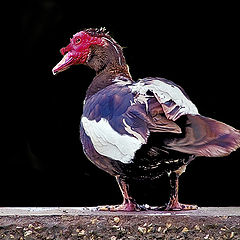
x=110, y=143
x=173, y=100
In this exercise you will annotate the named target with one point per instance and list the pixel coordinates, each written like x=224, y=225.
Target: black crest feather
x=97, y=32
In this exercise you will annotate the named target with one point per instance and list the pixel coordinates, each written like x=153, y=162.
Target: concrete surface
x=88, y=223
x=91, y=211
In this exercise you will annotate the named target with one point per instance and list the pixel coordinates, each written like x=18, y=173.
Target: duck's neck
x=109, y=64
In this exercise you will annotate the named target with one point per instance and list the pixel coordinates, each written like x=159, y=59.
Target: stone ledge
x=87, y=223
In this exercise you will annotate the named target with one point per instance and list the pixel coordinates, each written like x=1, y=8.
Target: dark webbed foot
x=173, y=204
x=176, y=207
x=128, y=205
x=125, y=207
x=180, y=206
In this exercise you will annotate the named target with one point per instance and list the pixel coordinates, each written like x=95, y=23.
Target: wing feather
x=119, y=119
x=173, y=99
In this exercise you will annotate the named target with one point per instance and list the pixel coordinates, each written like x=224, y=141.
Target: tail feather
x=206, y=137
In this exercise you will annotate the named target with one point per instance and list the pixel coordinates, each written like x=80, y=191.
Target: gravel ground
x=87, y=223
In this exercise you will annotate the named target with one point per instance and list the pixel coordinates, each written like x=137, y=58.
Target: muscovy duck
x=139, y=129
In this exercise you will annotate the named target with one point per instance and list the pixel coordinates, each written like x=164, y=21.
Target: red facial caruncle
x=77, y=51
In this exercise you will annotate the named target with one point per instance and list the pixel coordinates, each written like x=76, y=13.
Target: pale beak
x=64, y=64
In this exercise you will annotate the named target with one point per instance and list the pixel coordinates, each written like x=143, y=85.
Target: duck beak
x=64, y=64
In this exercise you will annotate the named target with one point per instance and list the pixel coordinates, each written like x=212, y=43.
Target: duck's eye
x=78, y=40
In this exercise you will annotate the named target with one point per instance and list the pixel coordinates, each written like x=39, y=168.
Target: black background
x=43, y=163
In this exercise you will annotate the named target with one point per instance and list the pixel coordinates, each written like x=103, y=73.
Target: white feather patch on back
x=110, y=143
x=165, y=92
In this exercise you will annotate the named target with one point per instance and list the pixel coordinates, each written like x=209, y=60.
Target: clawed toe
x=129, y=207
x=188, y=207
x=176, y=207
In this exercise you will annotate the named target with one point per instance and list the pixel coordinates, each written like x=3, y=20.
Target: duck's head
x=93, y=47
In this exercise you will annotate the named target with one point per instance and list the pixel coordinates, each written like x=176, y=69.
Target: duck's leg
x=173, y=204
x=129, y=204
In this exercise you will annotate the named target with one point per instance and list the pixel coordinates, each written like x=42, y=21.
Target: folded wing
x=173, y=99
